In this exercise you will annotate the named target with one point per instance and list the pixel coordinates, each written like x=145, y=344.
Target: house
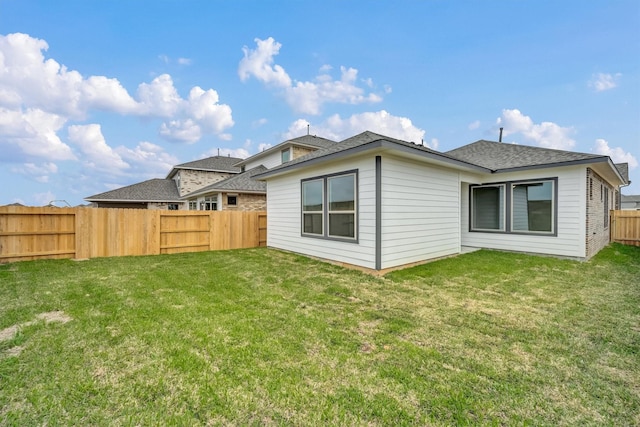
x=630, y=202
x=380, y=203
x=213, y=183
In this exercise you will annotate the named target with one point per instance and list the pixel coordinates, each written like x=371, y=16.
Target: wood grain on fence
x=625, y=227
x=32, y=233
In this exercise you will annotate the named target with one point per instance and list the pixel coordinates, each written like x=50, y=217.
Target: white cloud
x=602, y=81
x=96, y=154
x=258, y=63
x=474, y=125
x=337, y=128
x=33, y=133
x=39, y=173
x=617, y=154
x=260, y=122
x=181, y=131
x=545, y=134
x=147, y=159
x=185, y=61
x=303, y=96
x=38, y=96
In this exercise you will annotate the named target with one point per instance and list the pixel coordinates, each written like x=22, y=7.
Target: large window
x=515, y=207
x=329, y=206
x=532, y=206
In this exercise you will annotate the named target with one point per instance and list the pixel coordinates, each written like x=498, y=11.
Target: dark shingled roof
x=361, y=140
x=213, y=164
x=153, y=190
x=242, y=182
x=499, y=156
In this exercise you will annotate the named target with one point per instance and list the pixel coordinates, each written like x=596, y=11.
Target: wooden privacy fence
x=625, y=227
x=33, y=233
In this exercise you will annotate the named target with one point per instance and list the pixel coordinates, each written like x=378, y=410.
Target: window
x=606, y=208
x=532, y=206
x=193, y=205
x=487, y=209
x=285, y=155
x=312, y=207
x=342, y=206
x=329, y=207
x=527, y=207
x=209, y=204
x=172, y=206
x=232, y=200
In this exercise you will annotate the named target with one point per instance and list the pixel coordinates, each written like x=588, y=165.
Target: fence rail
x=34, y=233
x=625, y=227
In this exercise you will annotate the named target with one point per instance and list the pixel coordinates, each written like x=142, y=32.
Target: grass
x=262, y=337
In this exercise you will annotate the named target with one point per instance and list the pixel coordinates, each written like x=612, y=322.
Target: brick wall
x=191, y=180
x=154, y=205
x=600, y=199
x=246, y=202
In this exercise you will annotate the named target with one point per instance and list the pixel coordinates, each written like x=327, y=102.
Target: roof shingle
x=153, y=190
x=498, y=155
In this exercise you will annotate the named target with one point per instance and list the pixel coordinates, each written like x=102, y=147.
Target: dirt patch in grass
x=49, y=317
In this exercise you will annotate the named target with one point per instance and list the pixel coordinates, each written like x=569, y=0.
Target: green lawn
x=262, y=337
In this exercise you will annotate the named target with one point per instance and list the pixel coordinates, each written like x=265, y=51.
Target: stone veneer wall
x=192, y=180
x=597, y=226
x=300, y=151
x=246, y=202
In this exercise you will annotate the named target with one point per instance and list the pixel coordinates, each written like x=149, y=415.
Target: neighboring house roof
x=365, y=141
x=153, y=190
x=631, y=198
x=241, y=183
x=310, y=141
x=623, y=168
x=210, y=164
x=499, y=156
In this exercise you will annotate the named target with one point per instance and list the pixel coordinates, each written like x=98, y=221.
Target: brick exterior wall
x=246, y=202
x=598, y=194
x=301, y=151
x=192, y=180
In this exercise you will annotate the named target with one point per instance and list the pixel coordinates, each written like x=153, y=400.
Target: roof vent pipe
x=500, y=137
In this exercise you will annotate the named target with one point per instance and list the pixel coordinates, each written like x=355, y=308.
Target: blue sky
x=95, y=95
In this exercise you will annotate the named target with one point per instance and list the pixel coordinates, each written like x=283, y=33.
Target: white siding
x=570, y=240
x=283, y=219
x=420, y=212
x=269, y=161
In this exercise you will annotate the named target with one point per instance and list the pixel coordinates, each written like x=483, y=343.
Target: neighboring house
x=214, y=183
x=166, y=193
x=240, y=193
x=380, y=203
x=630, y=202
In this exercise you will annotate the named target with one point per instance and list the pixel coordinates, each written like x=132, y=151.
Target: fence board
x=625, y=227
x=33, y=233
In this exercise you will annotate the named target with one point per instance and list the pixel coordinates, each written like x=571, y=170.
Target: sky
x=96, y=95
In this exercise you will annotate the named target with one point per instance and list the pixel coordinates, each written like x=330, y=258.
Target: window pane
x=312, y=223
x=342, y=193
x=312, y=196
x=342, y=225
x=533, y=206
x=286, y=155
x=488, y=208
